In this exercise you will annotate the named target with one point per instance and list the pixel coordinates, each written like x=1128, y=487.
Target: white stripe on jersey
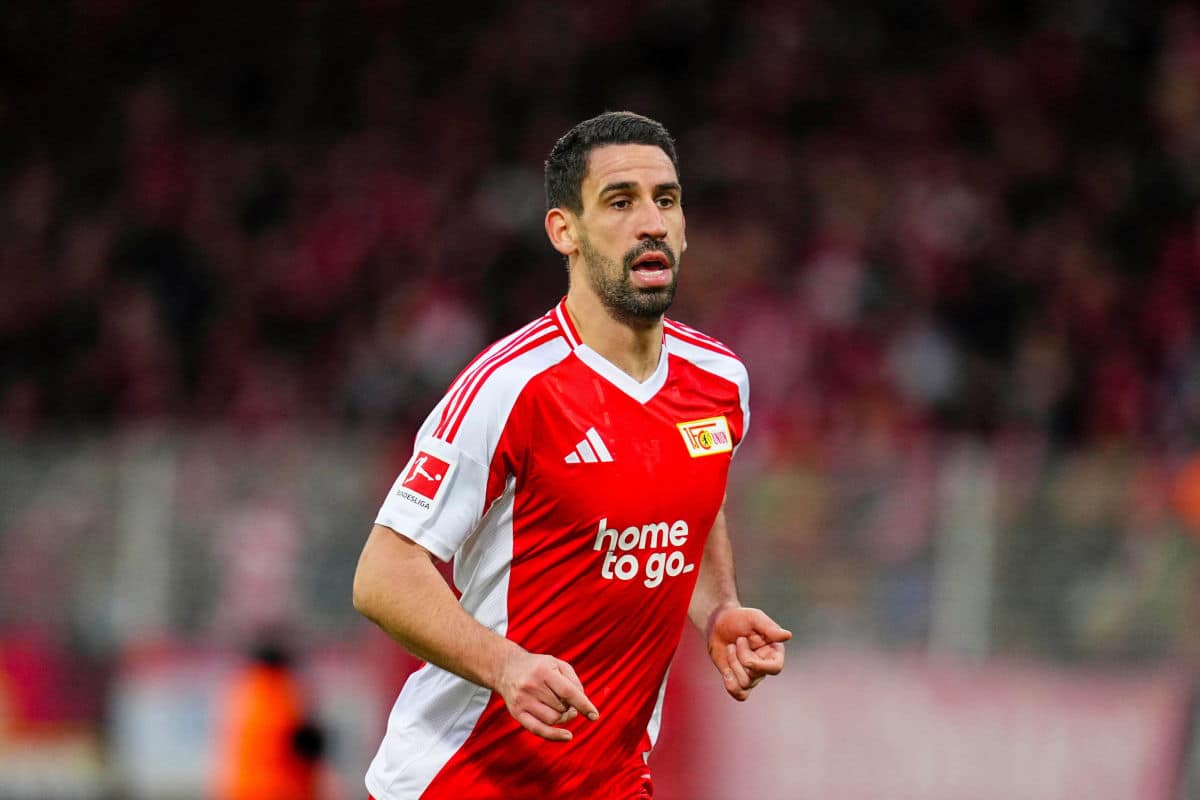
x=436, y=708
x=654, y=726
x=560, y=312
x=678, y=329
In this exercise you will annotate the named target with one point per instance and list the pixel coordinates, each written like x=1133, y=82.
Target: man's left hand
x=746, y=646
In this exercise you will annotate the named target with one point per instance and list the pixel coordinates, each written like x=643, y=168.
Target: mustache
x=650, y=246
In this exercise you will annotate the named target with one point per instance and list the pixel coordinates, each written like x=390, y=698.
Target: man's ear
x=560, y=228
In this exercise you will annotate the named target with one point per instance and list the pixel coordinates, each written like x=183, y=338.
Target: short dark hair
x=568, y=162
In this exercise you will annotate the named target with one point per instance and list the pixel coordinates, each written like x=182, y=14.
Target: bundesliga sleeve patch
x=424, y=479
x=706, y=437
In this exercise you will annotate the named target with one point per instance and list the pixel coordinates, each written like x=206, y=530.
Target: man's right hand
x=397, y=587
x=541, y=692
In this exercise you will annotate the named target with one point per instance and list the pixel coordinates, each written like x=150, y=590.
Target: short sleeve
x=441, y=495
x=438, y=497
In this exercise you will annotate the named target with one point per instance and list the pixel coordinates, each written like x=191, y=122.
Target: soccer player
x=576, y=472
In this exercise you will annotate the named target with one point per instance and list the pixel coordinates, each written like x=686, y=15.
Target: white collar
x=641, y=392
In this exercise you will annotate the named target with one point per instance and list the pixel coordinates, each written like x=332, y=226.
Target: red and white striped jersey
x=576, y=502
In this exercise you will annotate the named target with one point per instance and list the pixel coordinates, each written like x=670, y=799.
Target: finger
x=543, y=694
x=767, y=628
x=567, y=716
x=570, y=696
x=547, y=714
x=739, y=671
x=535, y=726
x=748, y=660
x=720, y=659
x=733, y=690
x=566, y=669
x=767, y=660
x=565, y=684
x=551, y=686
x=753, y=663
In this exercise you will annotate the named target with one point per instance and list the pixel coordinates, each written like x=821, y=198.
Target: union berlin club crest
x=706, y=437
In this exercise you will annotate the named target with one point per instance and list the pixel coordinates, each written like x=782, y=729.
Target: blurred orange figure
x=1187, y=494
x=266, y=747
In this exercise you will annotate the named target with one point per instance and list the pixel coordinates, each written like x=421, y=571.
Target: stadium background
x=245, y=247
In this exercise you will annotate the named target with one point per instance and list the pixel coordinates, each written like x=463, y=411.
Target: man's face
x=631, y=229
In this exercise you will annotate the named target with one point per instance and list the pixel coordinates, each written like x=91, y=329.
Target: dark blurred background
x=245, y=249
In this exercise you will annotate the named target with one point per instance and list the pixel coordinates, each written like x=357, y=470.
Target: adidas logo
x=590, y=450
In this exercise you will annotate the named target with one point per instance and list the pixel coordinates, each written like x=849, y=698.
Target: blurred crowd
x=916, y=222
x=974, y=216
x=957, y=243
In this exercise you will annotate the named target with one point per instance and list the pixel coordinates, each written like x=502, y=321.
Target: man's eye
x=620, y=204
x=666, y=202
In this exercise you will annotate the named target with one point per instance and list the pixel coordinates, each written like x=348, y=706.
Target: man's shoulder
x=536, y=344
x=487, y=387
x=706, y=353
x=688, y=341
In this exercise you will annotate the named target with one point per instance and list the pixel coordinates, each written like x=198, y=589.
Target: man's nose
x=652, y=224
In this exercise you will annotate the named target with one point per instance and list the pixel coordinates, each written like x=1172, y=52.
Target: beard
x=612, y=283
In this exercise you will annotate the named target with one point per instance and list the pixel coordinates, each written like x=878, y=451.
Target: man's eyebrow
x=624, y=186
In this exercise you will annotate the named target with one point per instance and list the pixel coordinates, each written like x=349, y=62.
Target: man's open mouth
x=652, y=271
x=651, y=262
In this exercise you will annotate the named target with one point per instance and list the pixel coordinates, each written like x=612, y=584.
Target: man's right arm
x=397, y=586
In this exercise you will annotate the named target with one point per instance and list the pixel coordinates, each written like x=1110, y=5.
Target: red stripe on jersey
x=471, y=375
x=530, y=342
x=693, y=336
x=487, y=353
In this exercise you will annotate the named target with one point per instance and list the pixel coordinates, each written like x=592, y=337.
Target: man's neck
x=634, y=347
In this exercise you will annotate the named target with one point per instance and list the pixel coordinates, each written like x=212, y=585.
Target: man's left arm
x=745, y=645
